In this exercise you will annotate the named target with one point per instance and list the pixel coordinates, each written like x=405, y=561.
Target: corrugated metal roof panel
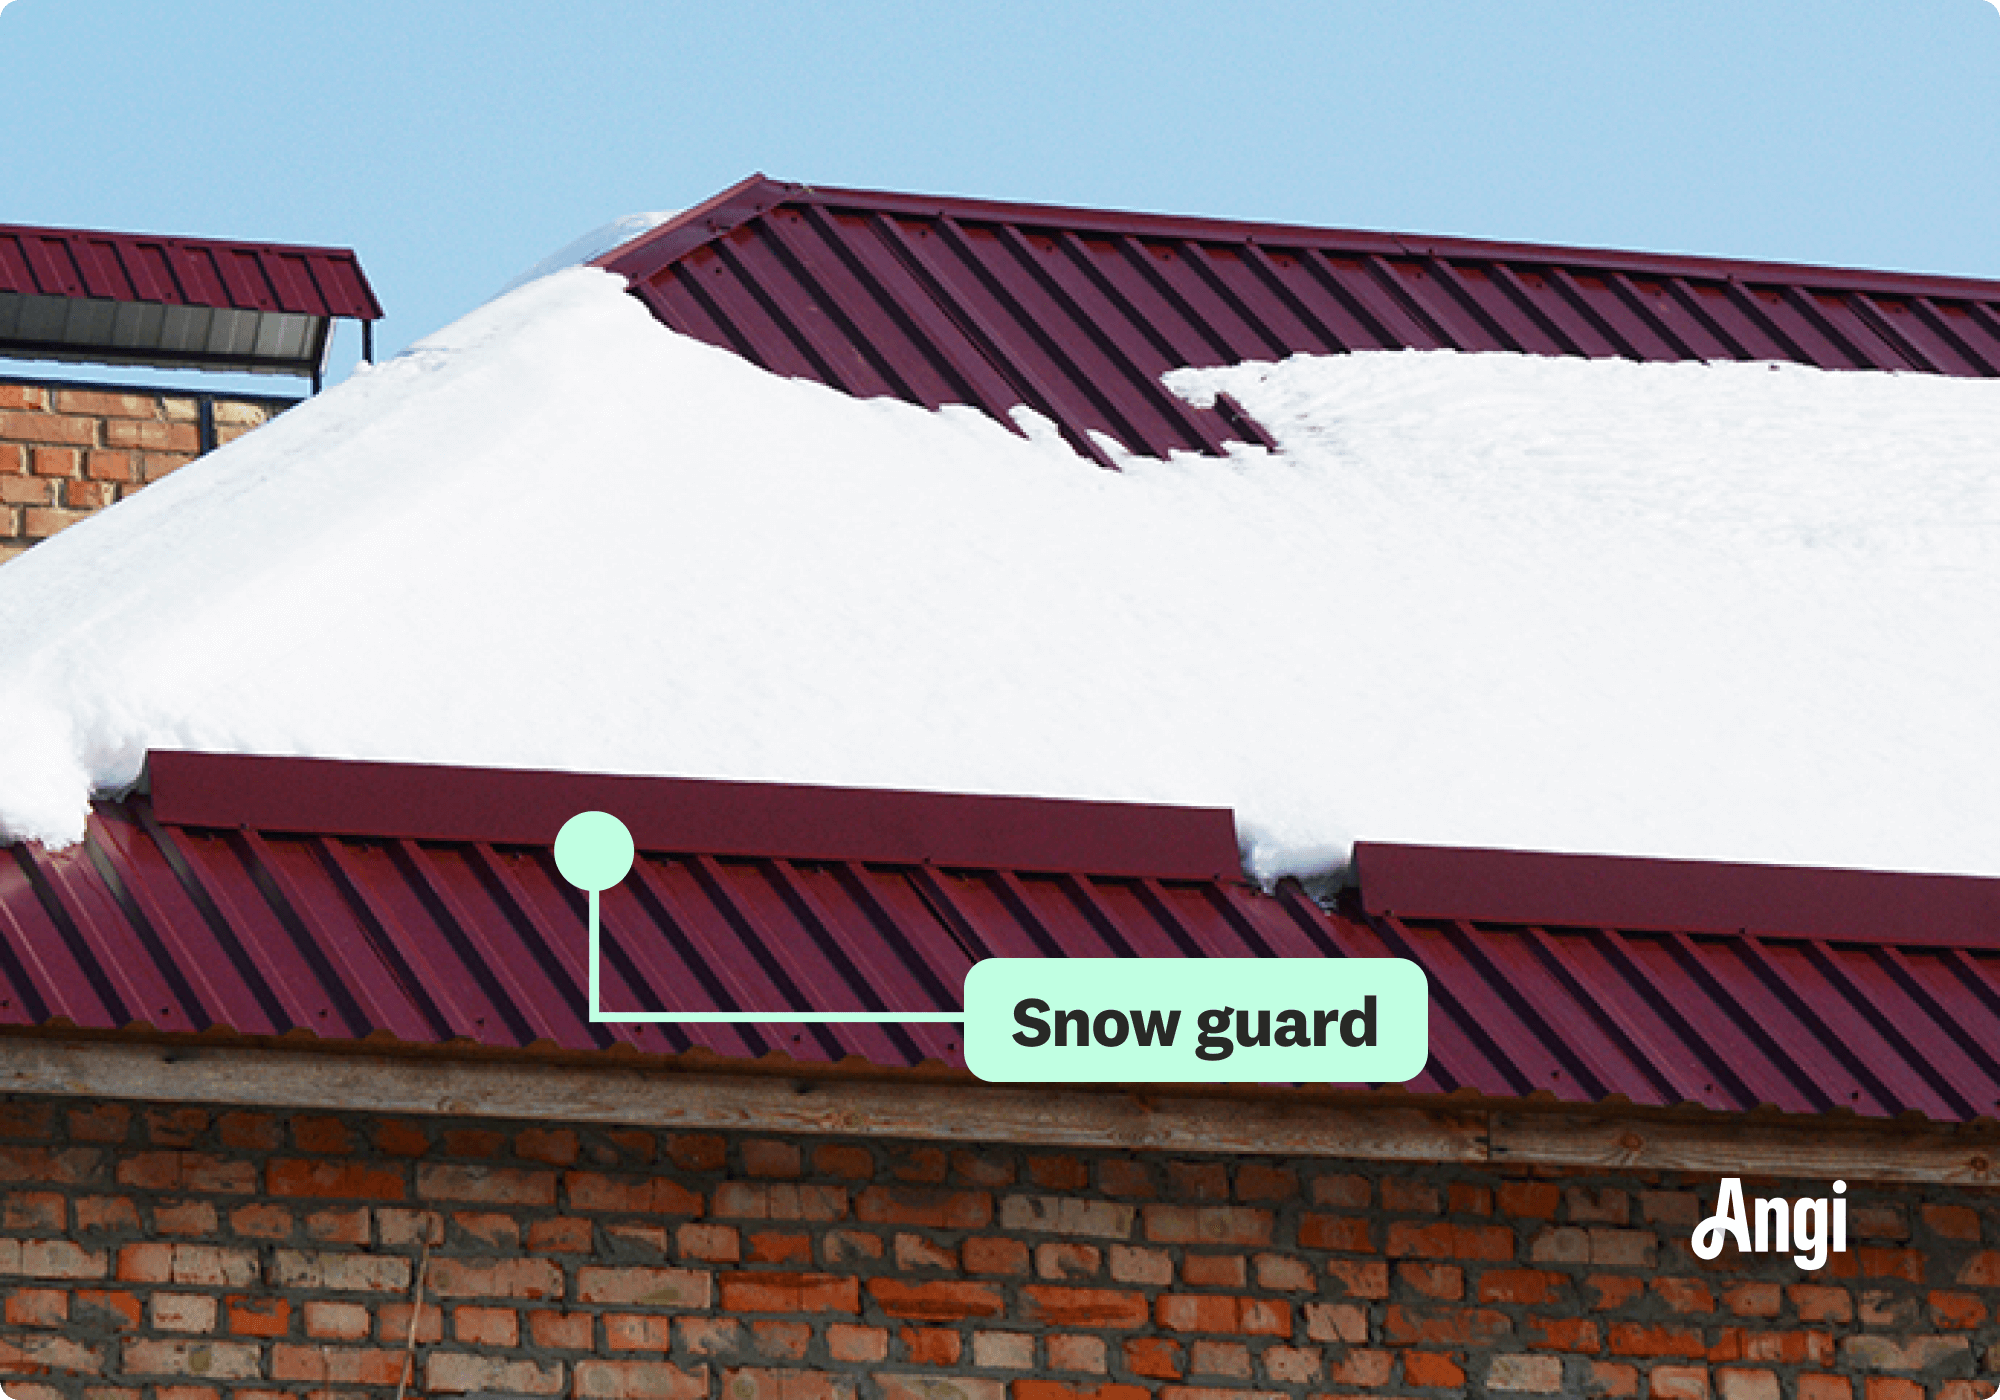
x=184, y=272
x=1583, y=978
x=1077, y=313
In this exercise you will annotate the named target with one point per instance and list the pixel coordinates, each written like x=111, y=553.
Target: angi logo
x=1781, y=1225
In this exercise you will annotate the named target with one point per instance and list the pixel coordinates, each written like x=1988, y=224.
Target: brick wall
x=183, y=1253
x=67, y=450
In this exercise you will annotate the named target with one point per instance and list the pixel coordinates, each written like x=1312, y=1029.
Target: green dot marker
x=594, y=852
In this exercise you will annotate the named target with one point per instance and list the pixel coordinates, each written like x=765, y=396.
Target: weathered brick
x=928, y=1346
x=1132, y=1263
x=845, y=1341
x=1821, y=1303
x=1445, y=1281
x=1402, y=1325
x=1408, y=1238
x=1213, y=1358
x=1642, y=1339
x=53, y=1259
x=1205, y=1312
x=107, y=404
x=557, y=1147
x=1158, y=1357
x=560, y=1331
x=1677, y=1383
x=1951, y=1222
x=1060, y=1390
x=1820, y=1387
x=462, y=1372
x=1361, y=1367
x=994, y=1254
x=515, y=1186
x=941, y=1301
x=94, y=1213
x=1215, y=1270
x=788, y=1293
x=1596, y=1205
x=153, y=436
x=1004, y=1350
x=950, y=1386
x=181, y=1312
x=37, y=1307
x=1173, y=1224
x=493, y=1327
x=841, y=1246
x=1348, y=1234
x=1409, y=1195
x=1754, y=1299
x=260, y=1317
x=350, y=1273
x=1684, y=1295
x=1084, y=1307
x=1336, y=1322
x=1066, y=1260
x=1068, y=1215
x=216, y=1360
x=1281, y=1273
x=68, y=1166
x=392, y=1323
x=942, y=1209
x=780, y=1247
x=1058, y=1173
x=1870, y=1352
x=1360, y=1278
x=1736, y=1383
x=774, y=1384
x=1614, y=1378
x=656, y=1288
x=49, y=427
x=770, y=1157
x=1521, y=1372
x=294, y=1176
x=1075, y=1352
x=845, y=1160
x=1519, y=1285
x=1257, y=1182
x=782, y=1200
x=1343, y=1190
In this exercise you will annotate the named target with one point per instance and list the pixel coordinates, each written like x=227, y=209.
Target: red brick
x=1026, y=1389
x=715, y=1244
x=1207, y=1224
x=254, y=1131
x=339, y=1226
x=1282, y=1273
x=1518, y=1285
x=534, y=1278
x=1084, y=1307
x=157, y=437
x=789, y=1293
x=1952, y=1222
x=1640, y=1339
x=1200, y=1181
x=457, y=1371
x=1070, y=1352
x=1201, y=1312
x=43, y=522
x=780, y=1247
x=595, y=1191
x=889, y=1205
x=59, y=1259
x=210, y=1360
x=1449, y=1326
x=1754, y=1299
x=1614, y=1378
x=779, y=1339
x=1154, y=1356
x=70, y=1166
x=1363, y=1368
x=106, y=1213
x=493, y=1327
x=393, y=1325
x=32, y=1354
x=562, y=1235
x=1401, y=1193
x=560, y=1331
x=1605, y=1205
x=515, y=1186
x=1349, y=1234
x=993, y=1254
x=1446, y=1281
x=777, y=1200
x=25, y=490
x=1212, y=1270
x=48, y=427
x=936, y=1301
x=341, y=1322
x=1956, y=1310
x=1346, y=1191
x=1564, y=1333
x=398, y=1137
x=847, y=1342
x=353, y=1180
x=1427, y=1368
x=558, y=1147
x=1360, y=1278
x=105, y=404
x=1677, y=1383
x=921, y=1165
x=1684, y=1295
x=473, y=1142
x=88, y=495
x=34, y=1211
x=257, y=1317
x=318, y=1133
x=698, y=1152
x=100, y=1122
x=1614, y=1290
x=120, y=1308
x=1534, y=1200
x=1893, y=1388
x=658, y=1288
x=37, y=1307
x=768, y=1157
x=1447, y=1241
x=23, y=396
x=841, y=1246
x=988, y=1170
x=155, y=465
x=1336, y=1322
x=1821, y=1387
x=184, y=1218
x=1465, y=1198
x=854, y=1163
x=929, y=1346
x=109, y=466
x=1059, y=1173
x=1213, y=1358
x=175, y=1127
x=1905, y=1264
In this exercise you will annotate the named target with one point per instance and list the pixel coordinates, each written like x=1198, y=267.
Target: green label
x=1179, y=1020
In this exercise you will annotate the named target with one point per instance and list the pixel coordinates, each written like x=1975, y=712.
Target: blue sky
x=453, y=144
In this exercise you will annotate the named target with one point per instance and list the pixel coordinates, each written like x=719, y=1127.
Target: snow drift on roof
x=1728, y=611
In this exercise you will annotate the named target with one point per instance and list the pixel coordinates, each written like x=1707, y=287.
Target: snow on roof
x=1731, y=611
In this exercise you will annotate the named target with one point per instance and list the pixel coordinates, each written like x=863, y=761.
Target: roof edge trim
x=503, y=806
x=1542, y=888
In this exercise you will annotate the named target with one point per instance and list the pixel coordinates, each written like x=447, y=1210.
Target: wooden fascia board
x=1038, y=1117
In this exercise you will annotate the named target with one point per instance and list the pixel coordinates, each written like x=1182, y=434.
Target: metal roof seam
x=1786, y=986
x=1612, y=1014
x=1961, y=1098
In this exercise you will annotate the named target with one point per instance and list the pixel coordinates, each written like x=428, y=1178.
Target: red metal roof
x=184, y=272
x=259, y=895
x=1077, y=313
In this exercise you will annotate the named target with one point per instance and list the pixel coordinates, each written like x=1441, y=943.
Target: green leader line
x=594, y=852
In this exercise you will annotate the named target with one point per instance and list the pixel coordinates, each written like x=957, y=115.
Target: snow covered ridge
x=1731, y=611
